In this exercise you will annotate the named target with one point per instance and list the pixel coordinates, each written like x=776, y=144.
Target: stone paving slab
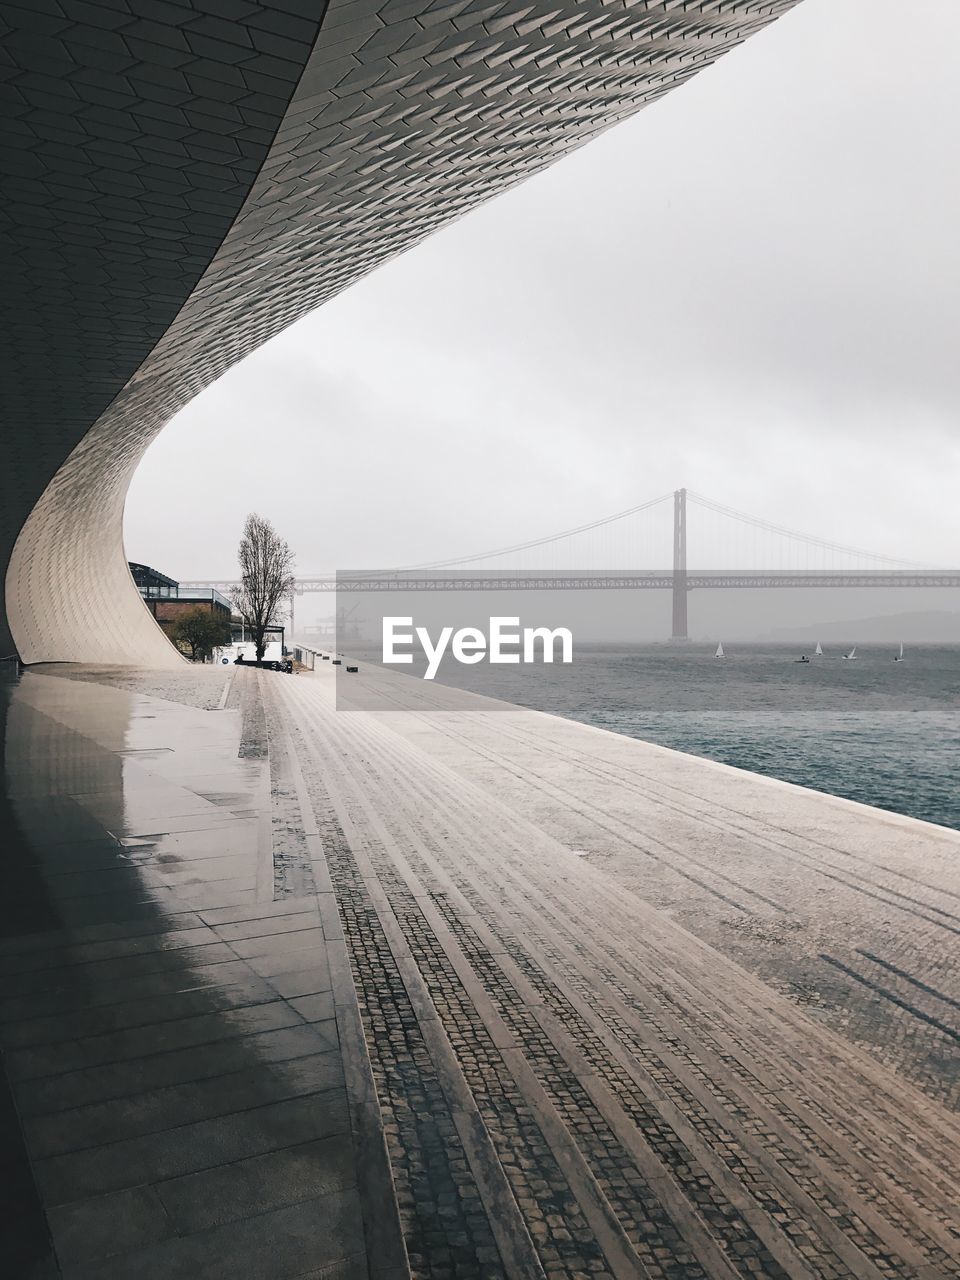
x=177, y=1085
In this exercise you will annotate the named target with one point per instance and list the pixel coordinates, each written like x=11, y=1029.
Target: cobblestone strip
x=917, y=1045
x=667, y=1010
x=743, y=1246
x=445, y=1226
x=742, y=1135
x=914, y=1046
x=658, y=1241
x=667, y=1057
x=732, y=1227
x=292, y=858
x=383, y=1233
x=711, y=1019
x=938, y=997
x=665, y=1067
x=873, y=1103
x=566, y=1233
x=670, y=1058
x=808, y=1178
x=911, y=981
x=253, y=733
x=885, y=994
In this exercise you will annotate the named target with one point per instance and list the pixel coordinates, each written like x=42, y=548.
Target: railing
x=186, y=593
x=631, y=581
x=305, y=656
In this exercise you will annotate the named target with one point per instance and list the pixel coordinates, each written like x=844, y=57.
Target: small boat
x=851, y=656
x=899, y=657
x=719, y=653
x=818, y=652
x=802, y=659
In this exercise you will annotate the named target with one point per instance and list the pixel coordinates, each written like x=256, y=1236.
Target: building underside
x=185, y=179
x=449, y=990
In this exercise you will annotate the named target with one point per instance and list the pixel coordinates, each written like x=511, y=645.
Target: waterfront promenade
x=450, y=989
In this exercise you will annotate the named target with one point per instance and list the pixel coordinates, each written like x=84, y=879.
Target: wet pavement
x=449, y=992
x=171, y=1031
x=629, y=1098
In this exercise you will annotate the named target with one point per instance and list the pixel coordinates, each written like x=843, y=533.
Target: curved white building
x=181, y=186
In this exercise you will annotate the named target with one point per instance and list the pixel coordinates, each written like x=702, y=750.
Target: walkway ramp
x=440, y=987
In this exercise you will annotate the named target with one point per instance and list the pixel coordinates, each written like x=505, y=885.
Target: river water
x=882, y=732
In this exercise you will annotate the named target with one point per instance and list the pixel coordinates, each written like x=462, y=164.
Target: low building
x=150, y=582
x=168, y=601
x=242, y=644
x=241, y=634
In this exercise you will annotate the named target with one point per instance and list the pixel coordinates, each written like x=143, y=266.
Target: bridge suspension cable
x=758, y=523
x=539, y=542
x=701, y=500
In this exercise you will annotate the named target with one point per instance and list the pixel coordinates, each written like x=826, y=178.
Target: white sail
x=851, y=654
x=719, y=653
x=899, y=657
x=818, y=650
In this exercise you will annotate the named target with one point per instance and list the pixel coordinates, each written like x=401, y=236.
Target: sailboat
x=818, y=651
x=719, y=653
x=851, y=656
x=899, y=657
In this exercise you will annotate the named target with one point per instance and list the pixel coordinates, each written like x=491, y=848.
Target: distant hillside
x=918, y=628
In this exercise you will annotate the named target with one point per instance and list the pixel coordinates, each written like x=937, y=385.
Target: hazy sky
x=751, y=289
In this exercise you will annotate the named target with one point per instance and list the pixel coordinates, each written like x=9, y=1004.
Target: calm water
x=882, y=732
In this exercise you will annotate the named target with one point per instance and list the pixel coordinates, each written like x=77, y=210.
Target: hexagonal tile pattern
x=175, y=207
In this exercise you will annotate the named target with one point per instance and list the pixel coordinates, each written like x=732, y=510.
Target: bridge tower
x=679, y=631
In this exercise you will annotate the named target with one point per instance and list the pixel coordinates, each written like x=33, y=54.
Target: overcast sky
x=752, y=289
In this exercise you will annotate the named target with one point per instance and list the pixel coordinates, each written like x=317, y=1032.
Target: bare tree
x=266, y=578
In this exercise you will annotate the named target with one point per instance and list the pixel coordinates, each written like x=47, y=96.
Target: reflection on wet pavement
x=439, y=993
x=168, y=1030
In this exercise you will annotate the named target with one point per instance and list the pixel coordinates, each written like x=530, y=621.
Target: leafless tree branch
x=266, y=578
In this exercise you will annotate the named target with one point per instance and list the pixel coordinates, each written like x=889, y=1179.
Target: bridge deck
x=626, y=1013
x=604, y=580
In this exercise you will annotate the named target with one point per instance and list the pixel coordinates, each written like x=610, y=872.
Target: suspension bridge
x=591, y=542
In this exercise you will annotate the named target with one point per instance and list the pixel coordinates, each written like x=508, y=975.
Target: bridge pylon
x=678, y=632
